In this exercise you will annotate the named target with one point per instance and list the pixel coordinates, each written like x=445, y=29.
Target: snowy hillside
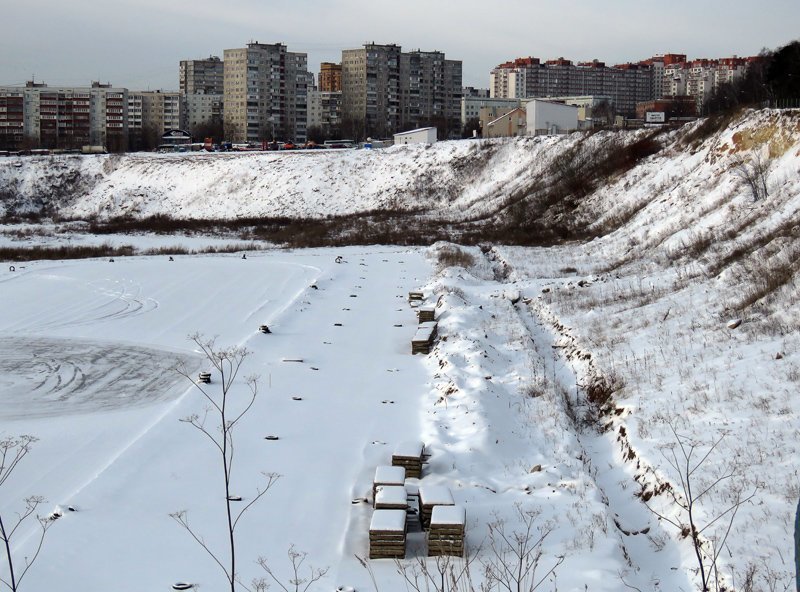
x=564, y=382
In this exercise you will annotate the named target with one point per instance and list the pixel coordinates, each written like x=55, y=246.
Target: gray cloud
x=139, y=43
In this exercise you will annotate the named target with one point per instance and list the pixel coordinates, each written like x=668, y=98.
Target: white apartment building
x=471, y=106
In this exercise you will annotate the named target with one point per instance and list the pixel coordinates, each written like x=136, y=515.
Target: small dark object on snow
x=271, y=437
x=339, y=259
x=398, y=325
x=337, y=324
x=264, y=329
x=779, y=356
x=111, y=261
x=55, y=515
x=11, y=268
x=314, y=368
x=296, y=398
x=314, y=287
x=204, y=377
x=235, y=498
x=170, y=258
x=734, y=323
x=353, y=295
x=244, y=255
x=72, y=508
x=182, y=586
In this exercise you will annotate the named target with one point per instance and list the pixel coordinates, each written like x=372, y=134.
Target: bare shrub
x=12, y=451
x=450, y=256
x=754, y=173
x=227, y=362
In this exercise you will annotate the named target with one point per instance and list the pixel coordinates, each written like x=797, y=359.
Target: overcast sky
x=138, y=43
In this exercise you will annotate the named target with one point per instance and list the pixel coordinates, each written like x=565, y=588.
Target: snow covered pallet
x=446, y=531
x=386, y=475
x=391, y=497
x=431, y=496
x=387, y=534
x=426, y=314
x=424, y=338
x=415, y=298
x=409, y=456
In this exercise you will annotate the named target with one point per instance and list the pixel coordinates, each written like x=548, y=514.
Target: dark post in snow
x=797, y=547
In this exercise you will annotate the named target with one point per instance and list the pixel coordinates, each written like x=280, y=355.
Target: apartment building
x=39, y=115
x=265, y=93
x=430, y=91
x=202, y=111
x=204, y=76
x=626, y=84
x=325, y=111
x=150, y=114
x=371, y=89
x=330, y=77
x=385, y=90
x=701, y=77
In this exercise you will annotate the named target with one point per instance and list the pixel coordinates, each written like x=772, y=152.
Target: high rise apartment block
x=39, y=115
x=330, y=77
x=265, y=93
x=430, y=90
x=626, y=84
x=386, y=90
x=371, y=88
x=201, y=76
x=325, y=110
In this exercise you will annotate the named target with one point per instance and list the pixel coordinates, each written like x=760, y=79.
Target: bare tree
x=445, y=573
x=514, y=556
x=687, y=459
x=755, y=174
x=298, y=582
x=227, y=412
x=12, y=451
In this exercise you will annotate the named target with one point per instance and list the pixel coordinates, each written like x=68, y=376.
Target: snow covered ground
x=687, y=309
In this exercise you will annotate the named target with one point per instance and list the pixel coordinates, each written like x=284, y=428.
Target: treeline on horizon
x=772, y=79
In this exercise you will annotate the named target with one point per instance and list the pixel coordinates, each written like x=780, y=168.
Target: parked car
x=288, y=146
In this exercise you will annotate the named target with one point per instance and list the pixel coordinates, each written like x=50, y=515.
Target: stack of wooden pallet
x=387, y=534
x=386, y=475
x=426, y=314
x=446, y=531
x=391, y=497
x=423, y=339
x=431, y=496
x=415, y=298
x=409, y=456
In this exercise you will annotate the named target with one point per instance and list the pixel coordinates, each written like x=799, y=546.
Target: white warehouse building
x=423, y=135
x=545, y=117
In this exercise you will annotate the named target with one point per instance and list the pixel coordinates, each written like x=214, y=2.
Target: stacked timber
x=423, y=339
x=409, y=456
x=386, y=475
x=446, y=531
x=391, y=497
x=415, y=298
x=431, y=496
x=387, y=534
x=426, y=314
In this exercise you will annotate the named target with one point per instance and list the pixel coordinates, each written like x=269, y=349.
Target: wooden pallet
x=426, y=314
x=431, y=496
x=446, y=531
x=387, y=475
x=409, y=455
x=387, y=534
x=423, y=339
